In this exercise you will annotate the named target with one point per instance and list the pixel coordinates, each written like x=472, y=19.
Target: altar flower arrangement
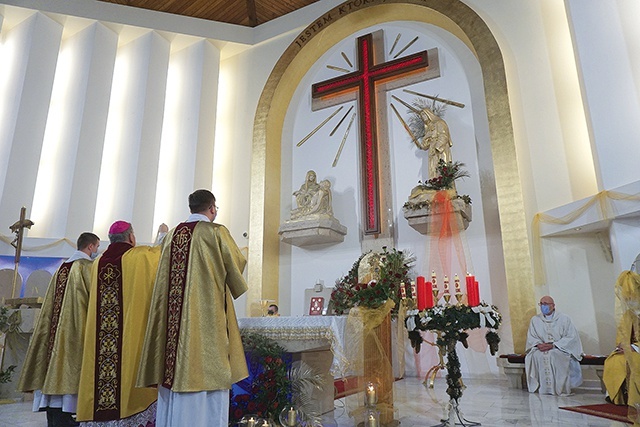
x=450, y=323
x=394, y=270
x=273, y=383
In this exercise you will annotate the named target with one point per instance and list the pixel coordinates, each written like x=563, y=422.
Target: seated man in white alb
x=553, y=351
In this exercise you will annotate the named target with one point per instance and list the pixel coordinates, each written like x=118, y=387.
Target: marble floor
x=490, y=403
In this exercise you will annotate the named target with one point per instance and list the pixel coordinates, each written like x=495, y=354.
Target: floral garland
x=395, y=268
x=450, y=323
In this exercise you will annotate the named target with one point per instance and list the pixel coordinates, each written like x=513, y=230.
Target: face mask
x=546, y=309
x=94, y=255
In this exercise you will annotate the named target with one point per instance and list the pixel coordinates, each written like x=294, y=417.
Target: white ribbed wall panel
x=612, y=97
x=207, y=116
x=84, y=188
x=133, y=115
x=30, y=51
x=186, y=159
x=149, y=157
x=66, y=170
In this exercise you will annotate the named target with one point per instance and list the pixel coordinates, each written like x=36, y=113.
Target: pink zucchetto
x=119, y=227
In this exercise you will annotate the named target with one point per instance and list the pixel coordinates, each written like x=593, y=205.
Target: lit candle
x=265, y=423
x=251, y=422
x=446, y=284
x=292, y=418
x=371, y=421
x=422, y=293
x=471, y=298
x=370, y=397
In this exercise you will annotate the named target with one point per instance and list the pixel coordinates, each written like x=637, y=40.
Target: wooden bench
x=513, y=366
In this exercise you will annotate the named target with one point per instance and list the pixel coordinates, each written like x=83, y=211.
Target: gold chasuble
x=193, y=341
x=121, y=286
x=54, y=357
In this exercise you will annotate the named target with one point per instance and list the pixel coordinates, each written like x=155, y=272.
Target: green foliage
x=451, y=323
x=449, y=172
x=395, y=269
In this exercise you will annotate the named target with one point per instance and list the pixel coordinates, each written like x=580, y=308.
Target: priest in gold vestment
x=622, y=368
x=192, y=347
x=52, y=365
x=121, y=286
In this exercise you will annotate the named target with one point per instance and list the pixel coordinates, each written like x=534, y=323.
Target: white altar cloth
x=300, y=334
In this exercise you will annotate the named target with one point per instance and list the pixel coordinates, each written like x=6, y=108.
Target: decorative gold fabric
x=59, y=374
x=139, y=266
x=210, y=354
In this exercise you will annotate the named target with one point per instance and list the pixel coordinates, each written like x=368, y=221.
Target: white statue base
x=419, y=215
x=312, y=230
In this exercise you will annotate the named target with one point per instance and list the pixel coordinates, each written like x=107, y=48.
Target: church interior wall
x=567, y=148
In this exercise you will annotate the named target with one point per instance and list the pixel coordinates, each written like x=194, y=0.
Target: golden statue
x=436, y=140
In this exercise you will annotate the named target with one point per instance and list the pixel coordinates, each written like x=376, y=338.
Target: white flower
x=411, y=323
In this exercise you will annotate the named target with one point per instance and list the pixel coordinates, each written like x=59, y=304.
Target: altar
x=315, y=340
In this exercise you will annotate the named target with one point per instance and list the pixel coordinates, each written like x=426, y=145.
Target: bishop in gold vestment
x=192, y=348
x=52, y=365
x=121, y=286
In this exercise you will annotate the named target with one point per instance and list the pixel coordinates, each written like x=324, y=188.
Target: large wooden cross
x=368, y=84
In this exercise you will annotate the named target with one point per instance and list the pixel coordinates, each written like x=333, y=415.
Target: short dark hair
x=85, y=239
x=201, y=200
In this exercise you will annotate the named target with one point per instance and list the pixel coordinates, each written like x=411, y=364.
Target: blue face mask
x=546, y=309
x=94, y=255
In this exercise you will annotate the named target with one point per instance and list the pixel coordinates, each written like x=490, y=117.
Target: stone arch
x=456, y=18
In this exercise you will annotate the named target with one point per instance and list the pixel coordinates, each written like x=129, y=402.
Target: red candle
x=422, y=292
x=470, y=290
x=429, y=293
x=476, y=292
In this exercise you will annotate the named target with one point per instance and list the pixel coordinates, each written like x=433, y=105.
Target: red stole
x=109, y=319
x=60, y=286
x=178, y=264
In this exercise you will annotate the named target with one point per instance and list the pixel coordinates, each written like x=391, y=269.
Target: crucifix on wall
x=368, y=84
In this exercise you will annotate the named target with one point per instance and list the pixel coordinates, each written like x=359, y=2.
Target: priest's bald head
x=547, y=305
x=203, y=202
x=122, y=231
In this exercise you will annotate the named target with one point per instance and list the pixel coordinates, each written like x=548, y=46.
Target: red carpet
x=605, y=410
x=345, y=387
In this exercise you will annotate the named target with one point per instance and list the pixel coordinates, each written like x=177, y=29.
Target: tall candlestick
x=422, y=293
x=458, y=292
x=447, y=295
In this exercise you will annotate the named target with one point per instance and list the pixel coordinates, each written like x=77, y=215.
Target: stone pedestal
x=419, y=219
x=312, y=231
